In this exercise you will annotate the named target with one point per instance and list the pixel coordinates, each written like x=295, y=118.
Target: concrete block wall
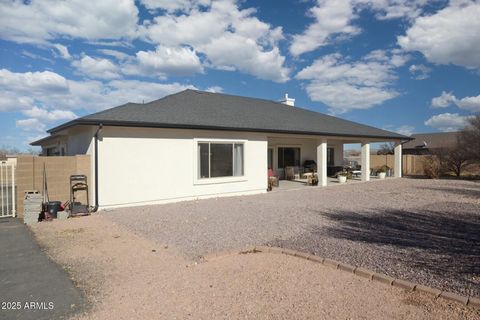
x=411, y=164
x=29, y=176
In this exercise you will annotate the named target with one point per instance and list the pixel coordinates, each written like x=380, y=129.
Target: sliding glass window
x=217, y=160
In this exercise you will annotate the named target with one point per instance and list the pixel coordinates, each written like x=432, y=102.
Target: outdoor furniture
x=312, y=178
x=357, y=173
x=293, y=173
x=309, y=166
x=272, y=180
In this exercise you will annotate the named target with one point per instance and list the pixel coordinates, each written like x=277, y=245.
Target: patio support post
x=398, y=160
x=322, y=162
x=365, y=161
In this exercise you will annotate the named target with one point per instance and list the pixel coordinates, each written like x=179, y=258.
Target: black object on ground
x=78, y=183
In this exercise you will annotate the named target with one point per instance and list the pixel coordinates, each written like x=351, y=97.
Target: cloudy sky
x=406, y=66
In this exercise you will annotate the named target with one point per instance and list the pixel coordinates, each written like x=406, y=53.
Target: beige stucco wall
x=150, y=165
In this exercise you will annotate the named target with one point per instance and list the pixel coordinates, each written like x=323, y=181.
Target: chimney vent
x=288, y=101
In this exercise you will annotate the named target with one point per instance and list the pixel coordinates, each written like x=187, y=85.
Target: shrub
x=431, y=167
x=383, y=168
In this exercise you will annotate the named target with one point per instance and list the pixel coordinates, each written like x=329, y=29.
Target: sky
x=406, y=66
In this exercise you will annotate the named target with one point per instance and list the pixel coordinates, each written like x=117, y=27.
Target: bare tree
x=453, y=158
x=469, y=138
x=4, y=151
x=386, y=148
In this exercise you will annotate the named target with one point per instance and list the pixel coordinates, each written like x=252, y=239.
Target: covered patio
x=291, y=156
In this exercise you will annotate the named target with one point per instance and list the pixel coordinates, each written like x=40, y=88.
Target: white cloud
x=234, y=52
x=119, y=55
x=345, y=86
x=447, y=121
x=230, y=38
x=96, y=68
x=420, y=71
x=180, y=61
x=471, y=104
x=32, y=83
x=41, y=21
x=405, y=130
x=63, y=51
x=392, y=9
x=39, y=118
x=53, y=115
x=31, y=124
x=46, y=97
x=444, y=100
x=48, y=90
x=32, y=55
x=449, y=36
x=174, y=5
x=331, y=18
x=214, y=89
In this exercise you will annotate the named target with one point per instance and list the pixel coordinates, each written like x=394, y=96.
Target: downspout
x=95, y=208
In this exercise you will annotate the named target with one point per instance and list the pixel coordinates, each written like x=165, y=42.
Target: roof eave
x=207, y=127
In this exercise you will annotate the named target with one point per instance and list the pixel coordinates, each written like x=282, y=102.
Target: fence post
x=1, y=181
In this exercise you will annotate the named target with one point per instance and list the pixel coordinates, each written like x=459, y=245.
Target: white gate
x=7, y=189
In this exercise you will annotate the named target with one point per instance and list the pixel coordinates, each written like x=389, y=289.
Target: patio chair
x=289, y=173
x=273, y=180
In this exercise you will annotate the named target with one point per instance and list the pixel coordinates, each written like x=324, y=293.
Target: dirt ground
x=129, y=277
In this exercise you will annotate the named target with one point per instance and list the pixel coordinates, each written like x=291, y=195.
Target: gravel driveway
x=426, y=231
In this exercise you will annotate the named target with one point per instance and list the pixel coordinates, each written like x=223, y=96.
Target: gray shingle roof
x=431, y=140
x=194, y=109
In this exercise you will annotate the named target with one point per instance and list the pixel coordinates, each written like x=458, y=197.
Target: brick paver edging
x=358, y=271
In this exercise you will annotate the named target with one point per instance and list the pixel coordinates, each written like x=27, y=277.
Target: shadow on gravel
x=468, y=192
x=446, y=243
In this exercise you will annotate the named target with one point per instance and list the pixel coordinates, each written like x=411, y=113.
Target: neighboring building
x=425, y=143
x=196, y=144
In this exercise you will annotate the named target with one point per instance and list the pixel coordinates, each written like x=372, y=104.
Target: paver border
x=357, y=271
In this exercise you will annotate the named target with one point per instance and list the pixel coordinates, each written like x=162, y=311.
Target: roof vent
x=288, y=101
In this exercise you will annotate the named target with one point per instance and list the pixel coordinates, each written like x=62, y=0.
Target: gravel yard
x=126, y=276
x=425, y=231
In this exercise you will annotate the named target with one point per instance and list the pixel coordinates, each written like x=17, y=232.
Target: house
x=426, y=143
x=196, y=144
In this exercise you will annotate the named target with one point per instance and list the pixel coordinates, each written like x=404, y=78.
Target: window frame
x=286, y=146
x=197, y=180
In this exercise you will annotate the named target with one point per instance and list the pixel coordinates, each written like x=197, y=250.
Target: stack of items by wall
x=32, y=205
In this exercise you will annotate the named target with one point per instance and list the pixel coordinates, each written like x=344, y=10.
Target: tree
x=4, y=151
x=469, y=138
x=453, y=158
x=386, y=148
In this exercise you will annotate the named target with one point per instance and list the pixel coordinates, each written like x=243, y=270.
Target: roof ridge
x=240, y=96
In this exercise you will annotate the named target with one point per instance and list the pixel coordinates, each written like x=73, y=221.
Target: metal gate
x=7, y=189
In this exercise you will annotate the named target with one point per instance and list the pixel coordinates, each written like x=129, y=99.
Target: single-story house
x=196, y=144
x=427, y=143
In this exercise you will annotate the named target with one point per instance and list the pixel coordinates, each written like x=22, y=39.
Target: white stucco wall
x=145, y=166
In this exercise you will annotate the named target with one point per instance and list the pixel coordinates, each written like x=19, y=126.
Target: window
x=330, y=157
x=288, y=157
x=270, y=158
x=217, y=160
